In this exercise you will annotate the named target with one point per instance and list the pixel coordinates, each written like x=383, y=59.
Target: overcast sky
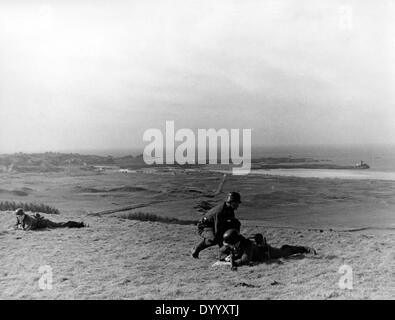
x=95, y=75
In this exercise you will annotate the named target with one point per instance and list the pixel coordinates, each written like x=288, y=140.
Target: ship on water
x=362, y=165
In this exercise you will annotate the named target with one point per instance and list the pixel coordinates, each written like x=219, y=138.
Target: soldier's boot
x=73, y=224
x=205, y=243
x=290, y=250
x=310, y=250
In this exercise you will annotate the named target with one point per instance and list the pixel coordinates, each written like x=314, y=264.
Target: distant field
x=275, y=200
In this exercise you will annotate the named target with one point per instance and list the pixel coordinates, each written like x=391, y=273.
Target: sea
x=380, y=158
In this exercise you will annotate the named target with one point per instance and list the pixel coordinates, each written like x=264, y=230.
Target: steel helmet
x=19, y=212
x=233, y=196
x=231, y=236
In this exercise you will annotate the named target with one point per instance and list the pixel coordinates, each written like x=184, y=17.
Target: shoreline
x=344, y=174
x=330, y=173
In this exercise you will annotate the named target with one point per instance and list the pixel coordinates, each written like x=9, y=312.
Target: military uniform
x=246, y=251
x=35, y=222
x=213, y=225
x=216, y=221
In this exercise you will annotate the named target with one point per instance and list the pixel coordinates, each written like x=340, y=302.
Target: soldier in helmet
x=216, y=221
x=27, y=222
x=243, y=251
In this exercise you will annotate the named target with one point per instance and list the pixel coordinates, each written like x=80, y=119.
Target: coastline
x=345, y=174
x=329, y=173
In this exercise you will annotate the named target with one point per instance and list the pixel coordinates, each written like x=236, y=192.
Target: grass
x=32, y=207
x=143, y=216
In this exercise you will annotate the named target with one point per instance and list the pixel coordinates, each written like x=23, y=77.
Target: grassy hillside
x=144, y=253
x=124, y=259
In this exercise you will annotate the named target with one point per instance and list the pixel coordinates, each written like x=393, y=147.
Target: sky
x=81, y=75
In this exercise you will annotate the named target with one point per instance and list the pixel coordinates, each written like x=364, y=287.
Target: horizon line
x=139, y=150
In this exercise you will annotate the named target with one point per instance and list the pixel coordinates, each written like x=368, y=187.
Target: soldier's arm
x=26, y=227
x=219, y=222
x=233, y=265
x=224, y=252
x=246, y=257
x=216, y=223
x=27, y=224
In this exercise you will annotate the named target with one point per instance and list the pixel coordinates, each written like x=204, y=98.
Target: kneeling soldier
x=216, y=221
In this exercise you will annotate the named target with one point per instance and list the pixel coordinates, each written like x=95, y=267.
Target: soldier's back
x=209, y=215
